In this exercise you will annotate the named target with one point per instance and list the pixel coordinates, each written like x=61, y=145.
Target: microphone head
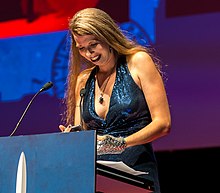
x=47, y=86
x=82, y=92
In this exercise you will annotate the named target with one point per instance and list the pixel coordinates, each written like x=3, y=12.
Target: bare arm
x=150, y=81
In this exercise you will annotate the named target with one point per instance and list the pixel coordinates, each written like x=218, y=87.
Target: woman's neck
x=108, y=67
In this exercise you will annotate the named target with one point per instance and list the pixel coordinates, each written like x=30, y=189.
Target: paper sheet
x=121, y=166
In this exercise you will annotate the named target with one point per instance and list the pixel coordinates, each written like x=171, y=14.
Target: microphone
x=45, y=87
x=82, y=94
x=79, y=127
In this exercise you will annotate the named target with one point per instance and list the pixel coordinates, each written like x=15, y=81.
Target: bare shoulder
x=142, y=64
x=141, y=59
x=83, y=77
x=144, y=70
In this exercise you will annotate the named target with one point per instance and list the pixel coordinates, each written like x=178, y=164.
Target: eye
x=93, y=45
x=81, y=48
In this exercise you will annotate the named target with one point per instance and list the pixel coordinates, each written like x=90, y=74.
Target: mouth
x=96, y=58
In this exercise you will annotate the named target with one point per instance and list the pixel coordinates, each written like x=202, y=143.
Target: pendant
x=101, y=99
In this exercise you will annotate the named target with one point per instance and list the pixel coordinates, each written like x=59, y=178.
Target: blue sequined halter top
x=128, y=111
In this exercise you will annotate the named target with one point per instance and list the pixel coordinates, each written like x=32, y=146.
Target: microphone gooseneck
x=47, y=86
x=82, y=94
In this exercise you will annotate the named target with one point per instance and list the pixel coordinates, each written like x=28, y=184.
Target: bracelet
x=111, y=145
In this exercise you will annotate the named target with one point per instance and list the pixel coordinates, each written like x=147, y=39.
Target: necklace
x=101, y=98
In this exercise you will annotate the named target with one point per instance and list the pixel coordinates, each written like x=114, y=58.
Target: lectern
x=58, y=163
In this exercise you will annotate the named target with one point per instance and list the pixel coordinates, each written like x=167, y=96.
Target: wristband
x=111, y=145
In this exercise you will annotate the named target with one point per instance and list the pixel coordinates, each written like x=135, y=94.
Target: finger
x=65, y=129
x=99, y=137
x=62, y=128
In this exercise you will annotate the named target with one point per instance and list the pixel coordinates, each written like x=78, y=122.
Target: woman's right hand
x=65, y=129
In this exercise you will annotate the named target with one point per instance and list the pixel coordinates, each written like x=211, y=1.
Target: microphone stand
x=82, y=94
x=29, y=104
x=79, y=127
x=45, y=87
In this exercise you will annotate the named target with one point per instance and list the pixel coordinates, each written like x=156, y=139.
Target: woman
x=124, y=99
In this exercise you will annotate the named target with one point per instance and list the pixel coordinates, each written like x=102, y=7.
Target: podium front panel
x=55, y=163
x=109, y=185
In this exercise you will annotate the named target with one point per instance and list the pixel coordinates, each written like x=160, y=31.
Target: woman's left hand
x=108, y=144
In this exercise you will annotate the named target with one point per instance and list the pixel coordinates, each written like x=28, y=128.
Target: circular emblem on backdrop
x=60, y=67
x=136, y=32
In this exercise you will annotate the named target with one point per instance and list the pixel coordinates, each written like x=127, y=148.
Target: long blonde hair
x=93, y=21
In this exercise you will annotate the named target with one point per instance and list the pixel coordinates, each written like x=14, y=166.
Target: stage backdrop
x=34, y=48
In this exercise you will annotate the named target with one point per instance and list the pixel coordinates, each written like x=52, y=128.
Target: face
x=93, y=49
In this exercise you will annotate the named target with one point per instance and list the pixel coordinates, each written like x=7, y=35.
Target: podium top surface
x=122, y=176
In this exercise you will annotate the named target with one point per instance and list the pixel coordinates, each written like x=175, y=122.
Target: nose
x=89, y=51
